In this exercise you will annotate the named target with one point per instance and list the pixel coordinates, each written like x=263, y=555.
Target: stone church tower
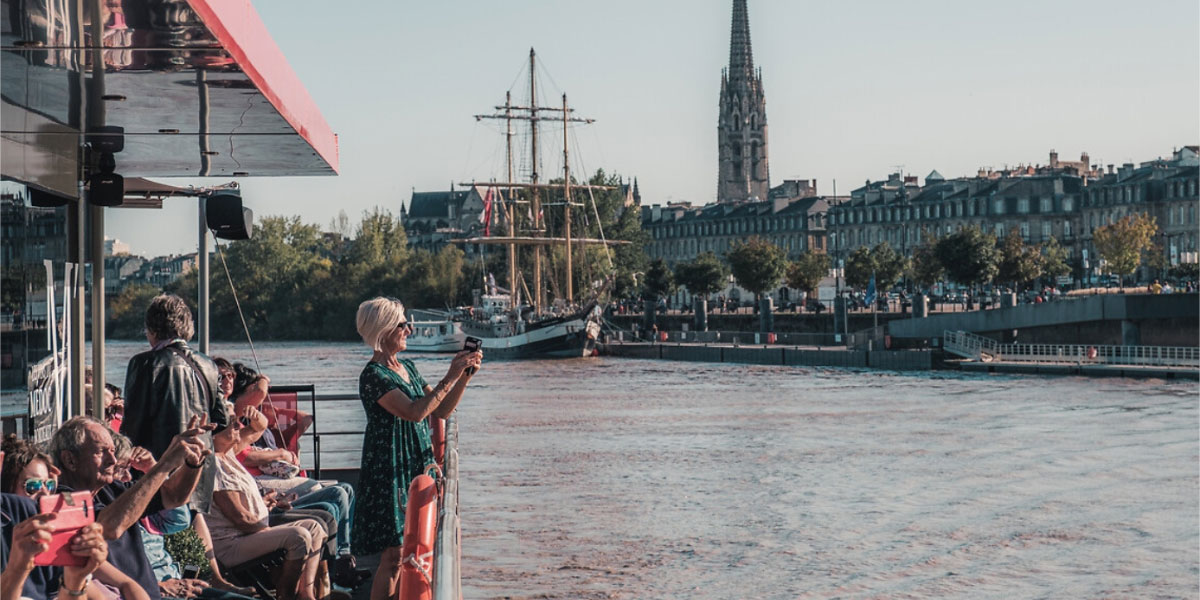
x=742, y=126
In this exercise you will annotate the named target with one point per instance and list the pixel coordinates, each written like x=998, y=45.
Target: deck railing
x=977, y=347
x=446, y=575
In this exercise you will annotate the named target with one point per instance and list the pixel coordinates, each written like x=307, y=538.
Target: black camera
x=472, y=344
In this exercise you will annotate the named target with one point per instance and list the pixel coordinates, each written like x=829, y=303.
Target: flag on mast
x=485, y=217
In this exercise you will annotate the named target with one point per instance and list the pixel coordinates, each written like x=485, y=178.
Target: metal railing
x=967, y=345
x=1154, y=356
x=977, y=347
x=871, y=338
x=447, y=577
x=738, y=338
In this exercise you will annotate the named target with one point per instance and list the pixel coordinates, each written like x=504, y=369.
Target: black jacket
x=162, y=393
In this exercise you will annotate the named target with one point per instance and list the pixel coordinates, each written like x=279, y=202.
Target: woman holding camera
x=396, y=445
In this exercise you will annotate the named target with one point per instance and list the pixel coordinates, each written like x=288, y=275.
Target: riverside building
x=1066, y=200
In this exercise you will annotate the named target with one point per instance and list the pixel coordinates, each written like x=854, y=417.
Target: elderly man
x=171, y=384
x=83, y=449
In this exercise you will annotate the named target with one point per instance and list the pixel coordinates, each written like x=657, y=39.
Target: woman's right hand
x=30, y=538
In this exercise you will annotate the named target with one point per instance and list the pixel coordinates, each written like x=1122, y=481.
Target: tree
x=1155, y=258
x=807, y=271
x=1019, y=263
x=859, y=267
x=659, y=282
x=882, y=262
x=702, y=276
x=1054, y=259
x=125, y=315
x=969, y=256
x=925, y=269
x=757, y=264
x=1121, y=244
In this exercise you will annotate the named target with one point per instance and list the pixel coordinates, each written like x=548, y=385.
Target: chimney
x=1086, y=160
x=1053, y=159
x=1110, y=169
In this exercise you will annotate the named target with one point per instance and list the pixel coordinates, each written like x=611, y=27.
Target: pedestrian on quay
x=396, y=445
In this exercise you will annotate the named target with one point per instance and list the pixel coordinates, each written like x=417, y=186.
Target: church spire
x=741, y=58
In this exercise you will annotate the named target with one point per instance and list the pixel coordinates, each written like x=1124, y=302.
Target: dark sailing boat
x=512, y=325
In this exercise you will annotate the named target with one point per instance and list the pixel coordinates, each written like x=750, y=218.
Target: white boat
x=436, y=336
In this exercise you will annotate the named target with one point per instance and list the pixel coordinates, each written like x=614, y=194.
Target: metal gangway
x=980, y=348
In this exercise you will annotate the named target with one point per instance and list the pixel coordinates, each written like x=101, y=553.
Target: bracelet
x=191, y=466
x=62, y=584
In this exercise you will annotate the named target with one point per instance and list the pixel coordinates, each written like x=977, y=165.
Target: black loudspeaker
x=46, y=199
x=109, y=138
x=227, y=218
x=106, y=189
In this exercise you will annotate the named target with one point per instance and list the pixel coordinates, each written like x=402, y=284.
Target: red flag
x=486, y=216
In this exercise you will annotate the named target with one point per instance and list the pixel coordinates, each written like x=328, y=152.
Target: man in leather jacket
x=168, y=385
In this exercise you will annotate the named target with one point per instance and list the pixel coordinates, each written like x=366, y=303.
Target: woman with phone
x=30, y=473
x=396, y=445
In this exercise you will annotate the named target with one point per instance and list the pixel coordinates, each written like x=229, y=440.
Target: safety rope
x=245, y=327
x=423, y=563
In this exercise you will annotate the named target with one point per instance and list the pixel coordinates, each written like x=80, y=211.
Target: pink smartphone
x=72, y=511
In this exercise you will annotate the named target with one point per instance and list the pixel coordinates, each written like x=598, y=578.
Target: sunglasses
x=34, y=485
x=405, y=325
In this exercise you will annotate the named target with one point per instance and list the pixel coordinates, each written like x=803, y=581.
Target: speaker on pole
x=227, y=218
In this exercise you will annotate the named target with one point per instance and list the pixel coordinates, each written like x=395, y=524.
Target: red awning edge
x=237, y=26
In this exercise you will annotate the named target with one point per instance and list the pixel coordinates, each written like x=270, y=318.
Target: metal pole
x=202, y=303
x=98, y=118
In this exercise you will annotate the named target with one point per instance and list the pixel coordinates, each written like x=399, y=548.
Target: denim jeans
x=340, y=498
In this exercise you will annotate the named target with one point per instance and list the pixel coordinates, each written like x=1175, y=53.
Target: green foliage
x=807, y=271
x=969, y=256
x=757, y=264
x=885, y=263
x=186, y=548
x=1121, y=244
x=126, y=311
x=925, y=269
x=659, y=281
x=1054, y=259
x=1019, y=262
x=702, y=276
x=1186, y=271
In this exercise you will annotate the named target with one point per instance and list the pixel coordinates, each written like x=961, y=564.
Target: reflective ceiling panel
x=199, y=88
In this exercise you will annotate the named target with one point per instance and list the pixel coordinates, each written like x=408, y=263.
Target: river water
x=615, y=478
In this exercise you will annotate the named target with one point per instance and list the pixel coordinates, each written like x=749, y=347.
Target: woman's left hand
x=464, y=360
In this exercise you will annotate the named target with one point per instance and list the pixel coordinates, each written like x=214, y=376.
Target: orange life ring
x=416, y=551
x=437, y=435
x=1091, y=353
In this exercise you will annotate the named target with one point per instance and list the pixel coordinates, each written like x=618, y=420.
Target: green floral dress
x=394, y=452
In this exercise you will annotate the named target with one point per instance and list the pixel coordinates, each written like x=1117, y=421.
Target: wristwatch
x=62, y=584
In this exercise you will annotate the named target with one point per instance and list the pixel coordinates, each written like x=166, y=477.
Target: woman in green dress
x=396, y=446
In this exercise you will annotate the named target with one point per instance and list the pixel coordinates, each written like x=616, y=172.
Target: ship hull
x=565, y=339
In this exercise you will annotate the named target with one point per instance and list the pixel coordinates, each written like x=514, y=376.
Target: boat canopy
x=197, y=88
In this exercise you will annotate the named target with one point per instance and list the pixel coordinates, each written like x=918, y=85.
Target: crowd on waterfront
x=196, y=443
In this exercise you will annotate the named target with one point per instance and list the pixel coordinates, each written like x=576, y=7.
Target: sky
x=855, y=90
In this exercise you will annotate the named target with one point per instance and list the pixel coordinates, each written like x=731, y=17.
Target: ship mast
x=533, y=114
x=510, y=201
x=567, y=205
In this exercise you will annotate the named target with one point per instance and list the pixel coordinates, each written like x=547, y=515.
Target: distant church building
x=742, y=126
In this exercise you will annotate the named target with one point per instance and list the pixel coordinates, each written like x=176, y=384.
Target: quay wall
x=898, y=360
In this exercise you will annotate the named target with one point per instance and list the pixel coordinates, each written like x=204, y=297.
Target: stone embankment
x=898, y=360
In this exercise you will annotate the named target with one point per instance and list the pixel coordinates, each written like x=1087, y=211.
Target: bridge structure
x=1101, y=320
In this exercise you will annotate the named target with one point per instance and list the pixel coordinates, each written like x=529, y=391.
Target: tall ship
x=540, y=313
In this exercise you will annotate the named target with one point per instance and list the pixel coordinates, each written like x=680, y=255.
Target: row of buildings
x=1066, y=200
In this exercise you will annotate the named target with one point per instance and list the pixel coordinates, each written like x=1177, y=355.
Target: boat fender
x=1091, y=353
x=437, y=434
x=420, y=530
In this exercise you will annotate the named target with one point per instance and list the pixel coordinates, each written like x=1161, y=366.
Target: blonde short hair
x=376, y=317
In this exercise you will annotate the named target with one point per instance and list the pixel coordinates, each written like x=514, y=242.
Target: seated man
x=84, y=451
